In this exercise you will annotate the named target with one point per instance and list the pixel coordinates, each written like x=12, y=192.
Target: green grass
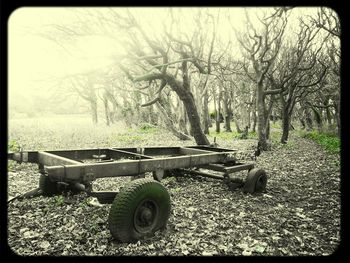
x=329, y=142
x=136, y=134
x=13, y=146
x=147, y=128
x=276, y=125
x=127, y=138
x=231, y=135
x=57, y=200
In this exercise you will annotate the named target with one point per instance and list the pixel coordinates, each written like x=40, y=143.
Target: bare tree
x=85, y=86
x=298, y=72
x=186, y=52
x=328, y=20
x=261, y=49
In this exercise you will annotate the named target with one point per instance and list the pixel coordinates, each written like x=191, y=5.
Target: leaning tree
x=261, y=45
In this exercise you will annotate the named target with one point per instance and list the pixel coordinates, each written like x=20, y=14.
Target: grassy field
x=76, y=131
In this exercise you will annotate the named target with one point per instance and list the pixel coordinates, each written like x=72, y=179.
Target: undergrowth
x=329, y=142
x=12, y=146
x=232, y=135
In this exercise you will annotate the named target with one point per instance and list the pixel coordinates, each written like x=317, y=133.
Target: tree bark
x=285, y=125
x=337, y=117
x=217, y=124
x=267, y=116
x=93, y=108
x=318, y=119
x=218, y=113
x=249, y=111
x=238, y=129
x=254, y=114
x=194, y=120
x=261, y=117
x=302, y=122
x=205, y=113
x=107, y=115
x=227, y=113
x=309, y=124
x=185, y=95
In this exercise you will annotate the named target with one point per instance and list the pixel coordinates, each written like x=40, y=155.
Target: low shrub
x=328, y=141
x=147, y=128
x=12, y=146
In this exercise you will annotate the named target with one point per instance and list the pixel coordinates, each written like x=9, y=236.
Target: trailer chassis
x=136, y=212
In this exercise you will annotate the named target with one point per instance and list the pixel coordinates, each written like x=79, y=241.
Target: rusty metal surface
x=50, y=159
x=239, y=167
x=80, y=154
x=118, y=154
x=78, y=172
x=205, y=174
x=212, y=149
x=66, y=165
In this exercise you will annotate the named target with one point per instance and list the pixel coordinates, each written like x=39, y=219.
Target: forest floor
x=298, y=214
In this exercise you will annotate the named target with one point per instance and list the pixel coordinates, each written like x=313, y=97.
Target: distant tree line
x=190, y=79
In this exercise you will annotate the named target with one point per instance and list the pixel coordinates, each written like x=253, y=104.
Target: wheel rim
x=261, y=182
x=145, y=216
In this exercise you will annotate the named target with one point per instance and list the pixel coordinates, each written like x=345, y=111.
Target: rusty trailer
x=143, y=205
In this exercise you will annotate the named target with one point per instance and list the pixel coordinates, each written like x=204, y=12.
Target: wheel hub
x=261, y=182
x=145, y=217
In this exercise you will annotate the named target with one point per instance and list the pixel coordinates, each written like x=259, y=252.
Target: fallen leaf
x=259, y=249
x=30, y=234
x=300, y=215
x=207, y=253
x=45, y=244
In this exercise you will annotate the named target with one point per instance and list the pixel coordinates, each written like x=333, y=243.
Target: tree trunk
x=318, y=119
x=267, y=117
x=274, y=117
x=254, y=113
x=185, y=95
x=268, y=128
x=248, y=116
x=309, y=124
x=182, y=119
x=217, y=122
x=218, y=113
x=285, y=125
x=205, y=113
x=228, y=123
x=337, y=117
x=107, y=115
x=329, y=118
x=261, y=117
x=227, y=114
x=93, y=108
x=238, y=129
x=302, y=123
x=193, y=118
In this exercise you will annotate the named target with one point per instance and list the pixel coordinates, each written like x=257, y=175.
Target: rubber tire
x=256, y=181
x=47, y=187
x=121, y=216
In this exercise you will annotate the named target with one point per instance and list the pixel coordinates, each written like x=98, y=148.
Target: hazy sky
x=34, y=59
